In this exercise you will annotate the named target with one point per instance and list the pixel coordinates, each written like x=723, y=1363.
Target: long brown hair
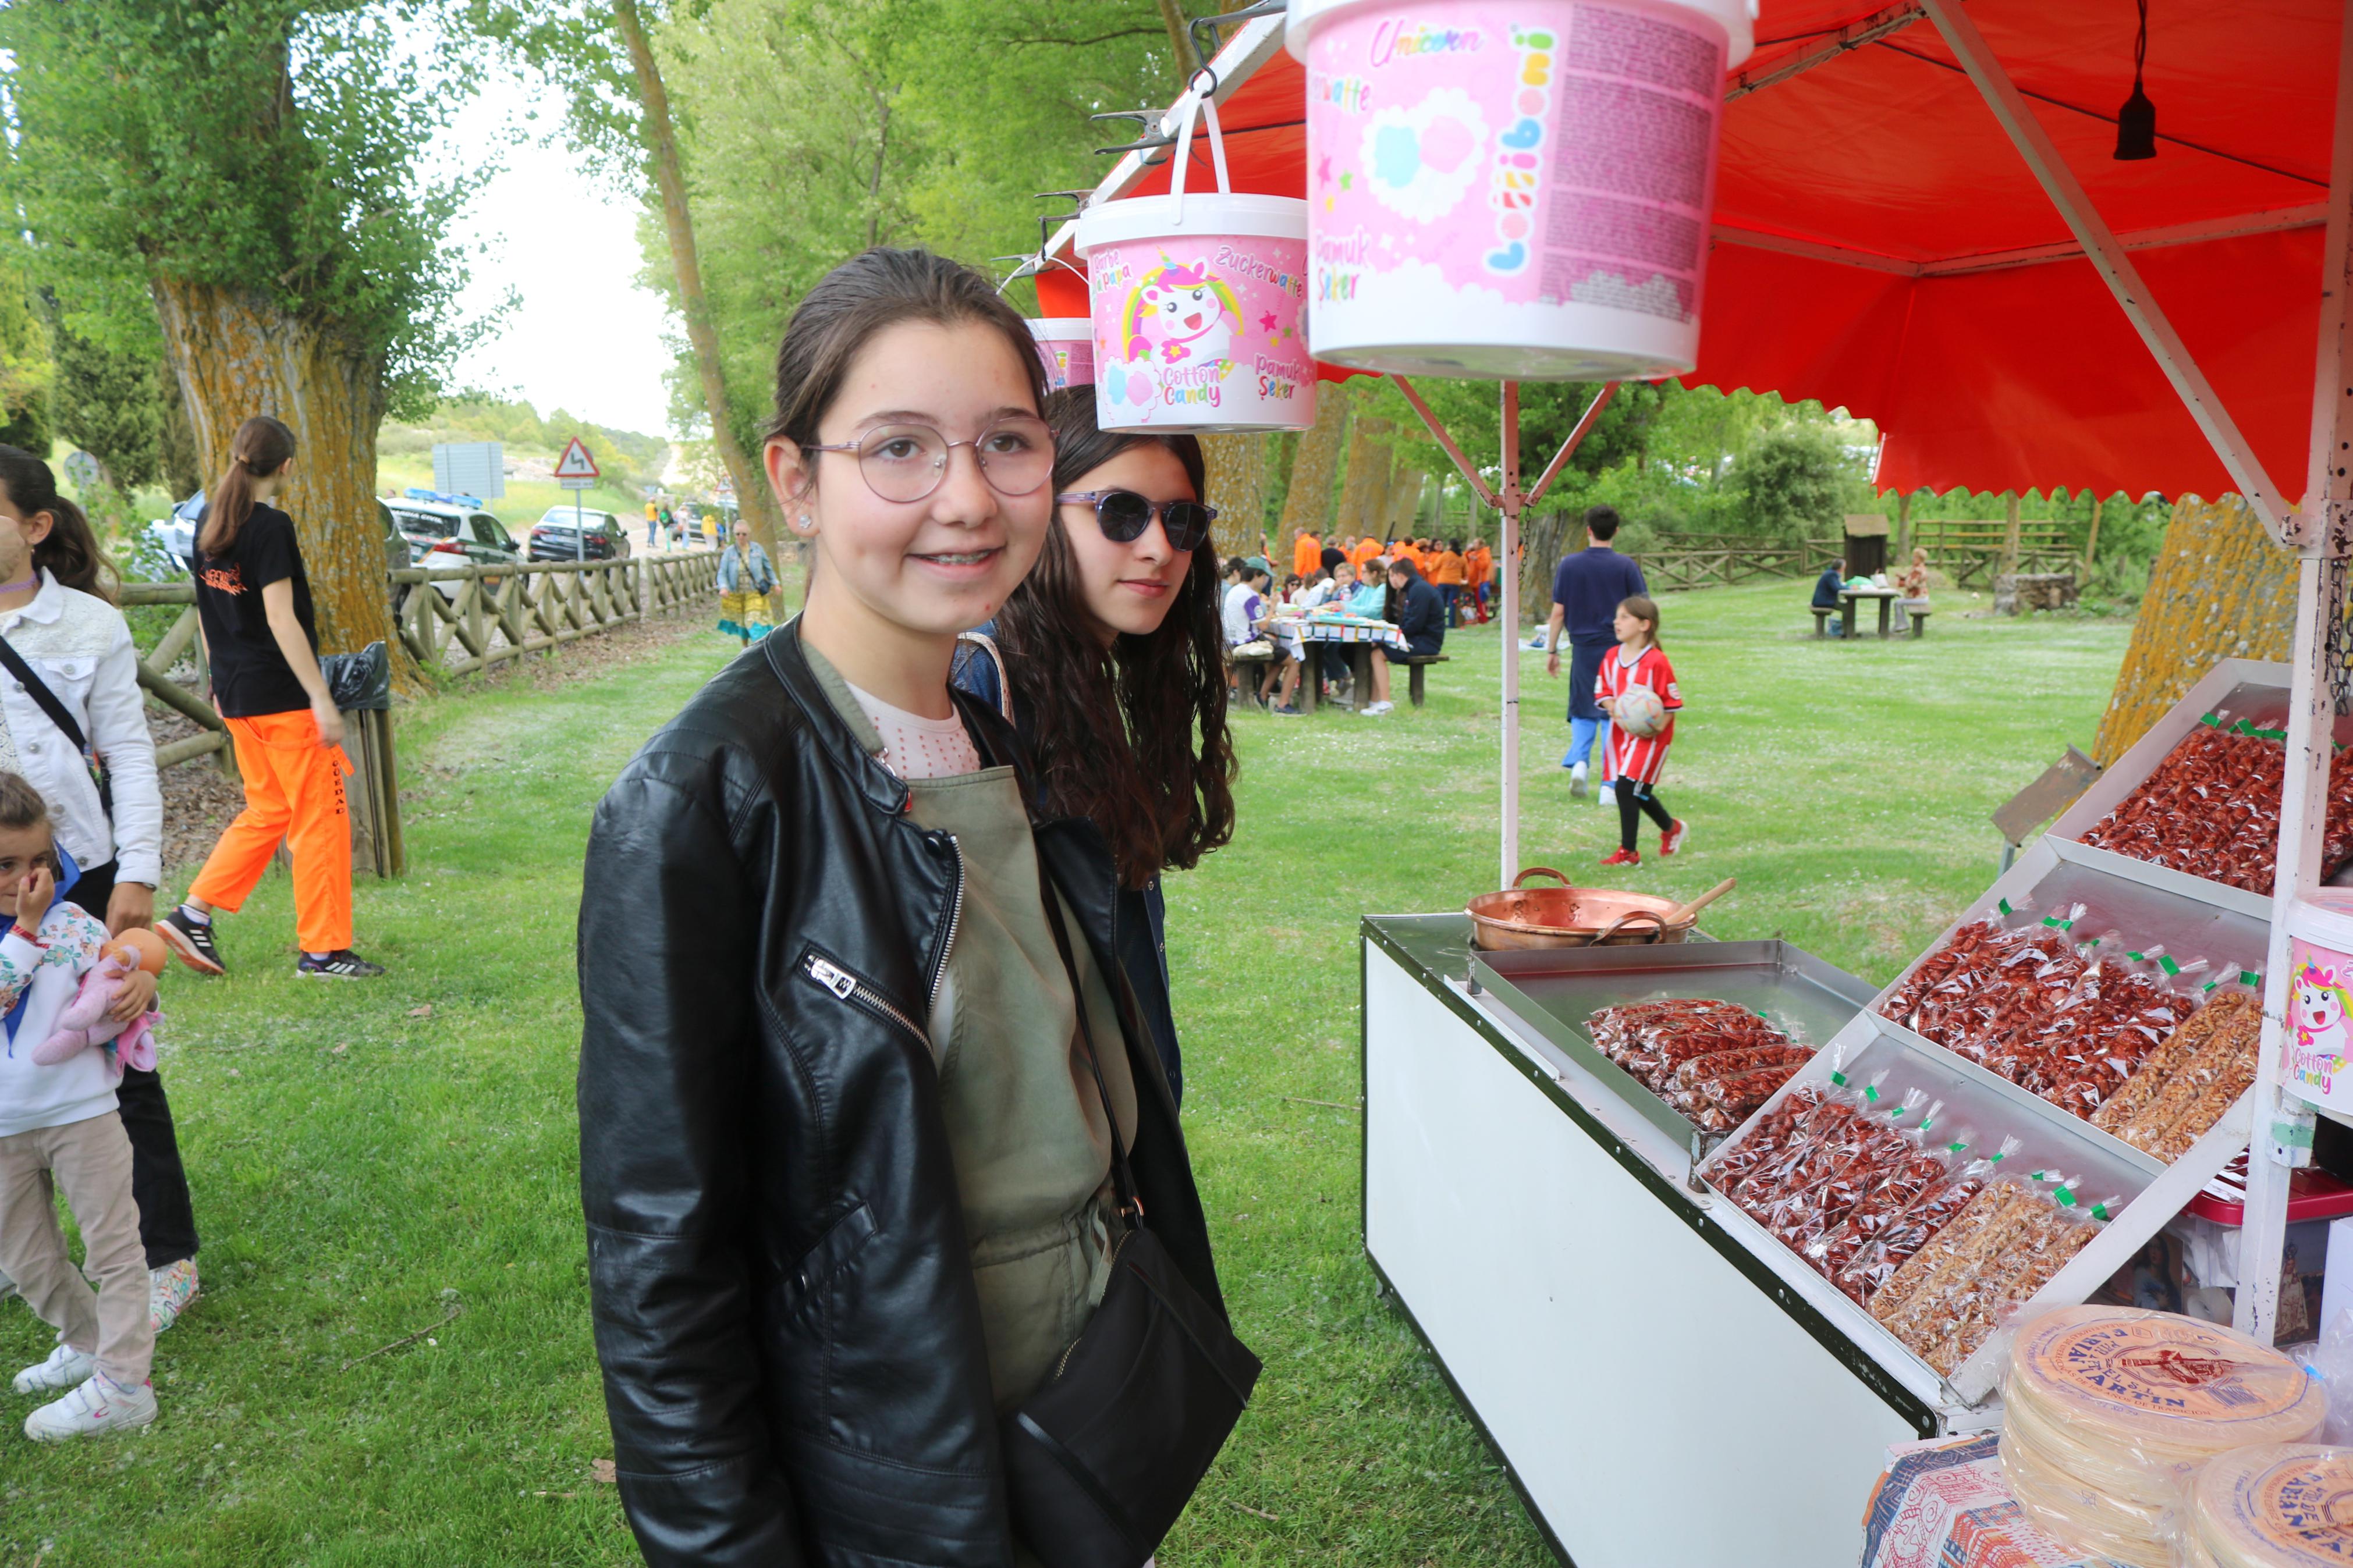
x=70, y=553
x=1114, y=731
x=871, y=291
x=261, y=447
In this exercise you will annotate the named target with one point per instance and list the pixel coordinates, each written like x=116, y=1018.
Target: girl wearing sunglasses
x=1117, y=667
x=847, y=1139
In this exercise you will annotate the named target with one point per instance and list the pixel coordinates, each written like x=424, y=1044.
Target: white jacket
x=80, y=647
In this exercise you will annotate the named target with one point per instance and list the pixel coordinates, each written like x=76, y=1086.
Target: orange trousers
x=294, y=792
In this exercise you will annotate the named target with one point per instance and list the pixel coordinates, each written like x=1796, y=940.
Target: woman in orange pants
x=253, y=603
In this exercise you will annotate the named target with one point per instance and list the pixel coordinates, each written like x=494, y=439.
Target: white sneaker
x=100, y=1405
x=1577, y=779
x=1608, y=795
x=1375, y=710
x=65, y=1367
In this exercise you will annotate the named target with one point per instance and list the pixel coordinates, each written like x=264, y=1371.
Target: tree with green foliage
x=1792, y=482
x=249, y=176
x=109, y=402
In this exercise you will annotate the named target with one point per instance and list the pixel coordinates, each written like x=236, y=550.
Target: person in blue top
x=1113, y=651
x=1826, y=594
x=1587, y=589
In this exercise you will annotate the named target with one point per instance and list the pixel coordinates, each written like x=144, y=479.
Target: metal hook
x=1192, y=83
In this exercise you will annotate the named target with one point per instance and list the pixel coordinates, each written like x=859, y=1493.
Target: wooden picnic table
x=1359, y=635
x=1847, y=597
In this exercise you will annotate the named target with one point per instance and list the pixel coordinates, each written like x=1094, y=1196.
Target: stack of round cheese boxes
x=2164, y=1442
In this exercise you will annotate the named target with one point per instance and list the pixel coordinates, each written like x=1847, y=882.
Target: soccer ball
x=1641, y=713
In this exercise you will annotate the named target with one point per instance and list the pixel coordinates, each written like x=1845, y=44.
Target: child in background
x=59, y=1129
x=1634, y=762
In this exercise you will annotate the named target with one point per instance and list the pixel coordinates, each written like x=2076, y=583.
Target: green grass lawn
x=369, y=1158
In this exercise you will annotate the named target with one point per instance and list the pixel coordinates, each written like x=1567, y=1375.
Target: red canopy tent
x=1881, y=247
x=1919, y=218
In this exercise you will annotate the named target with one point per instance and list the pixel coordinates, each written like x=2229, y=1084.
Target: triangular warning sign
x=576, y=463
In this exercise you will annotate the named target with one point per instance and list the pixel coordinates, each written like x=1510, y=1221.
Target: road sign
x=577, y=484
x=576, y=463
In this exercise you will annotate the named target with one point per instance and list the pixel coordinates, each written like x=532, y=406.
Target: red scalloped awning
x=2017, y=376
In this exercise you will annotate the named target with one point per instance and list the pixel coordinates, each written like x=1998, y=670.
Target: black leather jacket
x=784, y=1304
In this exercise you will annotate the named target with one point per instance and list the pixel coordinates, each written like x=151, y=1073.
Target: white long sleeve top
x=47, y=975
x=80, y=647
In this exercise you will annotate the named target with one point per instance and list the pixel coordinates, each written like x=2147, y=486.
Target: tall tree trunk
x=1404, y=509
x=2219, y=589
x=758, y=506
x=1180, y=41
x=1365, y=493
x=1308, y=502
x=235, y=356
x=1237, y=478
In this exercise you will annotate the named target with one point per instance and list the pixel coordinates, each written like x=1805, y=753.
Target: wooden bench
x=1416, y=662
x=1821, y=621
x=1919, y=621
x=1241, y=656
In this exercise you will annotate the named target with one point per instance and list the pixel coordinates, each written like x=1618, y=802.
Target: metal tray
x=1556, y=990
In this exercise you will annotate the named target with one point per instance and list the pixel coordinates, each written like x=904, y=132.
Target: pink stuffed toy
x=84, y=1025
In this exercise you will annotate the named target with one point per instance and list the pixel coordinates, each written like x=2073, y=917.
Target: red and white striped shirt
x=1631, y=759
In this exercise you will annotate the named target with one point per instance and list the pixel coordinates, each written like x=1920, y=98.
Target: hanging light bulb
x=2137, y=120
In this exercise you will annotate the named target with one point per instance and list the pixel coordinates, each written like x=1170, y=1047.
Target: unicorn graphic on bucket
x=1181, y=315
x=2318, y=1014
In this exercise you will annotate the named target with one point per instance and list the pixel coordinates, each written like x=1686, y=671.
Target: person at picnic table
x=1826, y=595
x=1306, y=552
x=864, y=1116
x=1106, y=660
x=1414, y=607
x=1587, y=588
x=1477, y=576
x=1447, y=574
x=1248, y=618
x=746, y=581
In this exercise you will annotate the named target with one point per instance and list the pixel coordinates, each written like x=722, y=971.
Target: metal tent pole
x=2315, y=676
x=1511, y=504
x=1508, y=501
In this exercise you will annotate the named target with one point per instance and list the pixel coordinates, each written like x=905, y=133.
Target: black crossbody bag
x=38, y=690
x=1103, y=1456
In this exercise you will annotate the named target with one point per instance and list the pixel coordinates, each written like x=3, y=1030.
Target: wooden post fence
x=489, y=613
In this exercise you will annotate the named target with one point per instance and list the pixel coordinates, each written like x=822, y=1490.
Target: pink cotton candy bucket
x=1197, y=303
x=1066, y=345
x=1512, y=191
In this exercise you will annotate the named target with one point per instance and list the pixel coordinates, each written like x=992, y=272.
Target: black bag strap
x=1131, y=1203
x=38, y=690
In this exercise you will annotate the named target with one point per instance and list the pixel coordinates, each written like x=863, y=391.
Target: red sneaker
x=1672, y=838
x=1622, y=857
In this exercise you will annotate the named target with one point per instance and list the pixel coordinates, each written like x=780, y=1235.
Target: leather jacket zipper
x=851, y=989
x=956, y=919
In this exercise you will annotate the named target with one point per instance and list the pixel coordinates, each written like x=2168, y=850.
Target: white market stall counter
x=1666, y=1390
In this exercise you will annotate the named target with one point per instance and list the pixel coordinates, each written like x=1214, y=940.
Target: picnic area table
x=1359, y=634
x=1847, y=597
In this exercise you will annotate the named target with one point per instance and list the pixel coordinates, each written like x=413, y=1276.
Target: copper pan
x=1569, y=916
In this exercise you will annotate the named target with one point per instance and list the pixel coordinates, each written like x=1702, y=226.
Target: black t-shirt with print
x=250, y=677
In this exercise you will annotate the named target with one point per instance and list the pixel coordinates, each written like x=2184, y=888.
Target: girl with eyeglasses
x=1116, y=659
x=858, y=1061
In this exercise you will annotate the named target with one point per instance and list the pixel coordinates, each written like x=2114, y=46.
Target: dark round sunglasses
x=1123, y=515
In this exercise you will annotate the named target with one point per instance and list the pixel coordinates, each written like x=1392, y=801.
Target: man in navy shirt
x=1586, y=590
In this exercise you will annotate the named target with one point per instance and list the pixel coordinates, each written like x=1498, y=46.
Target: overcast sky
x=582, y=335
